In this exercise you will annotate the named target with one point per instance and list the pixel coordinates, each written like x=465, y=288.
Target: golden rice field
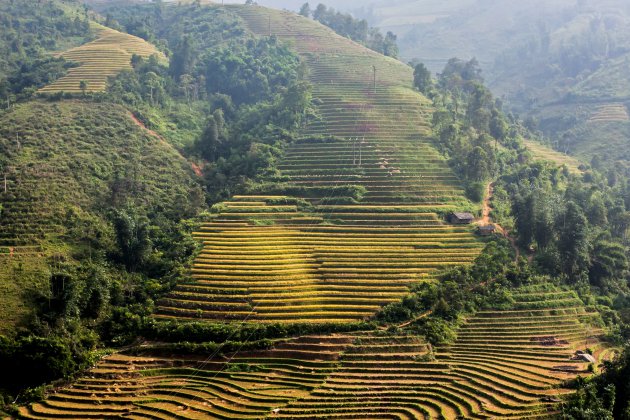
x=294, y=267
x=338, y=263
x=106, y=56
x=542, y=152
x=269, y=258
x=504, y=365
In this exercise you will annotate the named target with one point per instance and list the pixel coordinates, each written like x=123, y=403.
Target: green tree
x=209, y=143
x=573, y=242
x=320, y=12
x=422, y=78
x=153, y=83
x=498, y=126
x=479, y=105
x=305, y=10
x=83, y=85
x=132, y=237
x=183, y=58
x=477, y=168
x=390, y=47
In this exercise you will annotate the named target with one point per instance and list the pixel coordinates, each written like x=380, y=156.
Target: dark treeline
x=356, y=29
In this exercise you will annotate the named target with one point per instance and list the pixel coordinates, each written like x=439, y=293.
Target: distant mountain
x=564, y=63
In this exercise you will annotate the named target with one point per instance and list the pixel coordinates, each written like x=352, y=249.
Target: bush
x=475, y=191
x=436, y=331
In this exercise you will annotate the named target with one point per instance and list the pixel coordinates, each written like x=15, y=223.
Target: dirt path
x=196, y=168
x=486, y=209
x=145, y=128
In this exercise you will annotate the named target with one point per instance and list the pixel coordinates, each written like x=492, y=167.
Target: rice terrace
x=230, y=211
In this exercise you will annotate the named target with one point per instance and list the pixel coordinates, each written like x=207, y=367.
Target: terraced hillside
x=612, y=112
x=504, y=364
x=53, y=186
x=106, y=56
x=542, y=152
x=371, y=194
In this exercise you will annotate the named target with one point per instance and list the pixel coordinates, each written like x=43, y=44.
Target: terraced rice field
x=612, y=112
x=334, y=262
x=542, y=152
x=106, y=56
x=504, y=364
x=296, y=268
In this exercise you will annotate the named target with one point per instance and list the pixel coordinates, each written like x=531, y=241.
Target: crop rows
x=344, y=257
x=612, y=112
x=325, y=272
x=540, y=151
x=100, y=59
x=504, y=364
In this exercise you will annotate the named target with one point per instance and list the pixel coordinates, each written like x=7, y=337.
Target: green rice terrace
x=106, y=56
x=504, y=364
x=341, y=257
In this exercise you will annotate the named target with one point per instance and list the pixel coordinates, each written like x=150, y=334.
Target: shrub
x=475, y=191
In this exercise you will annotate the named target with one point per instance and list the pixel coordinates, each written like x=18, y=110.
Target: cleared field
x=504, y=364
x=106, y=56
x=542, y=152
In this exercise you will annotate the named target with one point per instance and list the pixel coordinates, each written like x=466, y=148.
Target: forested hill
x=562, y=64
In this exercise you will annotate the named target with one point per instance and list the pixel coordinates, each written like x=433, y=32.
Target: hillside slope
x=62, y=165
x=371, y=194
x=352, y=219
x=106, y=56
x=505, y=364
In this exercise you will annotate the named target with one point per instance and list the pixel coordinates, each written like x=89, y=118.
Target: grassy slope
x=66, y=158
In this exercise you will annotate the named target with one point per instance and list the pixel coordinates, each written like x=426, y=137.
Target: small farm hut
x=461, y=218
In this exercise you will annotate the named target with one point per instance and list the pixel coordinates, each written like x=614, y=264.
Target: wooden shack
x=487, y=230
x=461, y=218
